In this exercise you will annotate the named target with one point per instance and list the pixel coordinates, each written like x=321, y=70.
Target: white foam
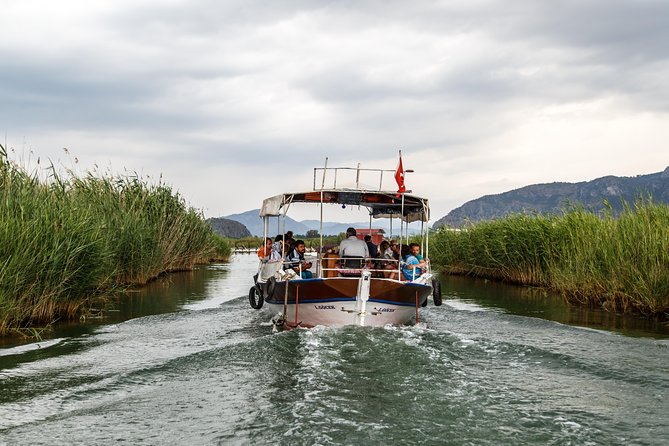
x=21, y=349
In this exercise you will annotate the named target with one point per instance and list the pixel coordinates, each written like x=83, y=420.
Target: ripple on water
x=471, y=375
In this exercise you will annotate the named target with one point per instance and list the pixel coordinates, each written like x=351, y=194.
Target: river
x=187, y=361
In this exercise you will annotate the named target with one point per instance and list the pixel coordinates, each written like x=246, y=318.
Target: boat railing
x=371, y=264
x=332, y=266
x=343, y=178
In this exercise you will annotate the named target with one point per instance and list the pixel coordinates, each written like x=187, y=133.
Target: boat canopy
x=381, y=204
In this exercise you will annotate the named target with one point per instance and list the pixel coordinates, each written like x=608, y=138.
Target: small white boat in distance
x=347, y=291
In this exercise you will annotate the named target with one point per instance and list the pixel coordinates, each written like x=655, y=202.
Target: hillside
x=253, y=222
x=228, y=228
x=553, y=197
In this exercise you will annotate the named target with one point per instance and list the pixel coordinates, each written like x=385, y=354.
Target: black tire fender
x=255, y=299
x=436, y=292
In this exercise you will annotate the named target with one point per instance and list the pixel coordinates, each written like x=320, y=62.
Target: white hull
x=341, y=313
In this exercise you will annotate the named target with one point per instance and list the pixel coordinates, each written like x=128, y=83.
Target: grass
x=67, y=240
x=620, y=263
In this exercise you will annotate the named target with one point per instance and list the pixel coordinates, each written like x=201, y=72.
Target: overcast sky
x=234, y=101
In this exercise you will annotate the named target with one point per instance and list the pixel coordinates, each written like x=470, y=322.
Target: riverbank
x=66, y=240
x=617, y=263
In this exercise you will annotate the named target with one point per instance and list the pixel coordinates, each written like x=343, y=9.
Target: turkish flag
x=399, y=177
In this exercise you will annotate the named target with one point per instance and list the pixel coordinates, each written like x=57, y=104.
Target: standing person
x=352, y=246
x=297, y=261
x=371, y=247
x=265, y=250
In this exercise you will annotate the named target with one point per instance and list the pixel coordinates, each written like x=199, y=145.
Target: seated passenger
x=414, y=249
x=289, y=242
x=277, y=249
x=265, y=251
x=392, y=267
x=297, y=262
x=413, y=265
x=353, y=247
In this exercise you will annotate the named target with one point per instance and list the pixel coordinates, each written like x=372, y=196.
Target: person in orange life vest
x=265, y=251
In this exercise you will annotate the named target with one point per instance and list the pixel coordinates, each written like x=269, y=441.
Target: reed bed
x=67, y=240
x=618, y=262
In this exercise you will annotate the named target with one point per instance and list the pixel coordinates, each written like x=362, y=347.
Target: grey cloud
x=218, y=80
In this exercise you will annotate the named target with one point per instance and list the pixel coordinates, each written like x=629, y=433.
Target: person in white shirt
x=352, y=246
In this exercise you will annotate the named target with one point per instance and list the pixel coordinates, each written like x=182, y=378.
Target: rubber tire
x=436, y=292
x=255, y=304
x=269, y=288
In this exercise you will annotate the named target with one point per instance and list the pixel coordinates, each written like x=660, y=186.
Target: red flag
x=399, y=177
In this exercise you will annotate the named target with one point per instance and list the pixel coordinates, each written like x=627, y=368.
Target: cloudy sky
x=233, y=101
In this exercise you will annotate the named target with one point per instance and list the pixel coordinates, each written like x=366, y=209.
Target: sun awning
x=380, y=204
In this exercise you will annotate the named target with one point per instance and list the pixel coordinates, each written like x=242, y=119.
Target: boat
x=346, y=291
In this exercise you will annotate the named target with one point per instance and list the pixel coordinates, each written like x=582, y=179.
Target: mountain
x=554, y=197
x=228, y=228
x=251, y=219
x=253, y=222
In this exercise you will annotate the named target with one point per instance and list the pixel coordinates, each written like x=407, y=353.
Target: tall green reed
x=618, y=262
x=67, y=239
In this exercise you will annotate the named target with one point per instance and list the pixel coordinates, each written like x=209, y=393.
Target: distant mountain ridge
x=253, y=222
x=554, y=197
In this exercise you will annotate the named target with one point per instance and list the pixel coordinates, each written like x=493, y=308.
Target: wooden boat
x=337, y=294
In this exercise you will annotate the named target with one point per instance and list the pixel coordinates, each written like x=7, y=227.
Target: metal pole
x=426, y=216
x=422, y=236
x=357, y=177
x=402, y=223
x=325, y=169
x=320, y=249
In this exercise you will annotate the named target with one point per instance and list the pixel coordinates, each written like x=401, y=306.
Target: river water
x=187, y=361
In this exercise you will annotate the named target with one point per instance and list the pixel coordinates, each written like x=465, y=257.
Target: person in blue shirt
x=414, y=264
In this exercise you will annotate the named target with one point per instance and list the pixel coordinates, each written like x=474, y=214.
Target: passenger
x=371, y=247
x=386, y=258
x=289, y=241
x=404, y=251
x=297, y=261
x=277, y=249
x=395, y=255
x=265, y=251
x=414, y=249
x=352, y=246
x=413, y=266
x=385, y=252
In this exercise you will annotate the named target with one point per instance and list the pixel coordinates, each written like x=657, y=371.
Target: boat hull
x=335, y=302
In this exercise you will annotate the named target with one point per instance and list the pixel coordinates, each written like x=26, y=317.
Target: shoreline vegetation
x=68, y=240
x=619, y=263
